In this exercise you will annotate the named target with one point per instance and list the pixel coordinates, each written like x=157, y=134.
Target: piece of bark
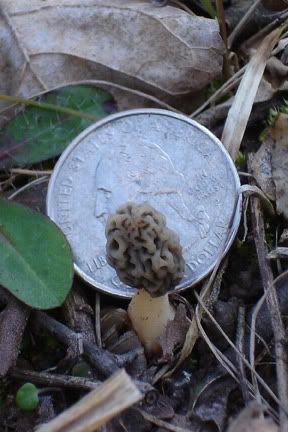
x=13, y=320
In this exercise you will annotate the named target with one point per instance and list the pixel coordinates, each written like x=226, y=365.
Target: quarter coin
x=152, y=155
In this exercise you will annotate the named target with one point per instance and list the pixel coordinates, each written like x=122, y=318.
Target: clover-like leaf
x=35, y=257
x=37, y=134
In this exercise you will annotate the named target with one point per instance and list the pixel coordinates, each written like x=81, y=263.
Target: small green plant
x=240, y=159
x=27, y=397
x=272, y=116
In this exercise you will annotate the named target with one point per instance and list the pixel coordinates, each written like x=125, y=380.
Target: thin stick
x=104, y=361
x=53, y=380
x=227, y=86
x=242, y=23
x=35, y=182
x=98, y=320
x=29, y=172
x=240, y=344
x=223, y=32
x=252, y=344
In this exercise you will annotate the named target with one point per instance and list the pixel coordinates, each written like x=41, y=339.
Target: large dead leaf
x=162, y=51
x=270, y=164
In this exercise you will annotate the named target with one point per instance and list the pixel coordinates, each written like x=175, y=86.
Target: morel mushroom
x=146, y=255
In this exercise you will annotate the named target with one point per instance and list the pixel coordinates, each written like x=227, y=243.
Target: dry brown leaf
x=262, y=169
x=161, y=51
x=270, y=164
x=279, y=161
x=175, y=333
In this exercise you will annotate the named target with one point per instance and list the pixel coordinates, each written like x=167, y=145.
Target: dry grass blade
x=35, y=182
x=233, y=371
x=225, y=88
x=241, y=108
x=99, y=406
x=252, y=345
x=245, y=361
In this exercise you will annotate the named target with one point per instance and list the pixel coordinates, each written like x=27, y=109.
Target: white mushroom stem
x=149, y=317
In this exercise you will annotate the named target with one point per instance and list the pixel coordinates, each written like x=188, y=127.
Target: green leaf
x=27, y=397
x=35, y=257
x=37, y=134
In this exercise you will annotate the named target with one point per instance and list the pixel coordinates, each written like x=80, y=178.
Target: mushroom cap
x=143, y=251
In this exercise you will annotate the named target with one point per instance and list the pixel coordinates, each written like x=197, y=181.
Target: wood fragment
x=95, y=409
x=12, y=325
x=53, y=380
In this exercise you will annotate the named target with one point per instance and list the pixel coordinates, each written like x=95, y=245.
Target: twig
x=30, y=172
x=97, y=320
x=252, y=345
x=12, y=325
x=102, y=360
x=53, y=380
x=223, y=32
x=35, y=182
x=273, y=305
x=240, y=335
x=265, y=30
x=242, y=23
x=227, y=86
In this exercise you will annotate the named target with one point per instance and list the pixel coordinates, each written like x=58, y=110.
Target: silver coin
x=145, y=155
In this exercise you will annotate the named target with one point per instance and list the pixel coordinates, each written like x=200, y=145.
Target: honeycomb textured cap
x=143, y=251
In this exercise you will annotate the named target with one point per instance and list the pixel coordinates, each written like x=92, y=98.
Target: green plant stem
x=49, y=107
x=221, y=19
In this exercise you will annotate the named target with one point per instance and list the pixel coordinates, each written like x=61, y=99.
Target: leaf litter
x=201, y=379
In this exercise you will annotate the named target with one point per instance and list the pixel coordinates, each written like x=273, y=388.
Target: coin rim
x=149, y=111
